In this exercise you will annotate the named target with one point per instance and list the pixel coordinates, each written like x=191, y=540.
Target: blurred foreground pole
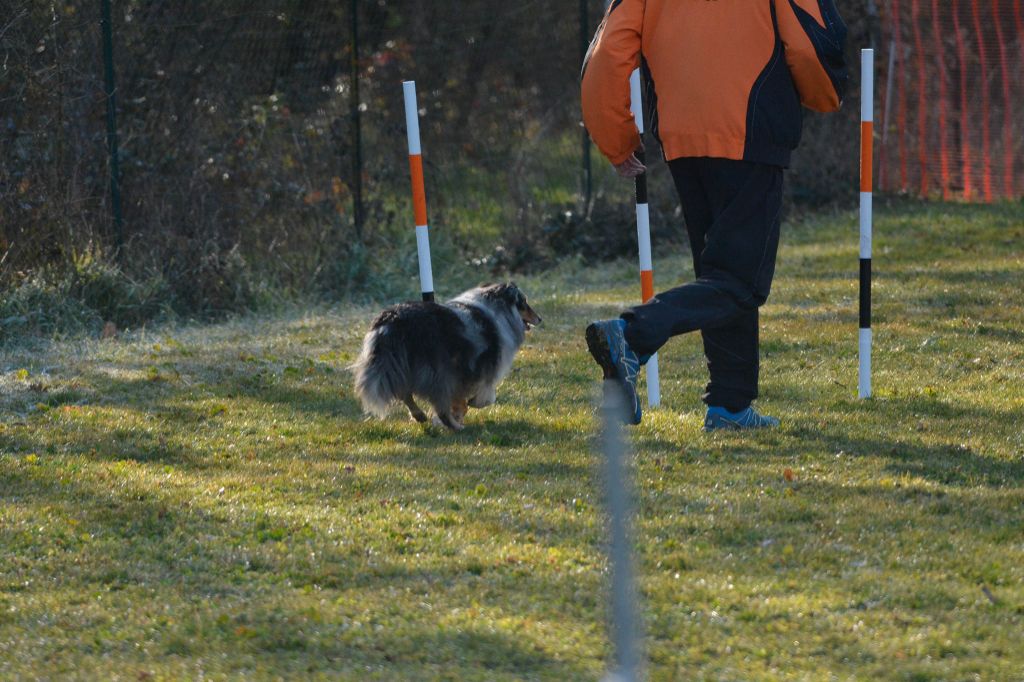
x=357, y=133
x=115, y=166
x=625, y=623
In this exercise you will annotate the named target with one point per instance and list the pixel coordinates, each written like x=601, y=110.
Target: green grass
x=209, y=501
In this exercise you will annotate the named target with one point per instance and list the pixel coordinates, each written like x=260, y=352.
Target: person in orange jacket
x=725, y=81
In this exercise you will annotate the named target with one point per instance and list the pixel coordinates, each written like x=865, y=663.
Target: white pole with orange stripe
x=419, y=193
x=643, y=236
x=867, y=117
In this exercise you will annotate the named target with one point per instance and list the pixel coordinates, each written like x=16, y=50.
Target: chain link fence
x=247, y=167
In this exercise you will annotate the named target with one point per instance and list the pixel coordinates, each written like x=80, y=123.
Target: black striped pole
x=867, y=107
x=643, y=235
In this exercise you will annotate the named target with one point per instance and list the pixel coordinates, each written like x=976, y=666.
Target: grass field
x=208, y=502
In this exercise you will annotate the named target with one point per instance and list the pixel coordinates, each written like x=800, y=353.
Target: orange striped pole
x=643, y=236
x=419, y=193
x=867, y=118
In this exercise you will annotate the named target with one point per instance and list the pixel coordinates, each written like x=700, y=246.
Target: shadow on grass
x=949, y=464
x=189, y=557
x=468, y=653
x=835, y=421
x=182, y=408
x=116, y=444
x=139, y=531
x=411, y=650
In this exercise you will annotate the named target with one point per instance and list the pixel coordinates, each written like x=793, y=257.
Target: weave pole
x=643, y=235
x=419, y=192
x=867, y=118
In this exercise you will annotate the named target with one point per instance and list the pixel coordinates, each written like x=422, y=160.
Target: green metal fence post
x=115, y=166
x=357, y=133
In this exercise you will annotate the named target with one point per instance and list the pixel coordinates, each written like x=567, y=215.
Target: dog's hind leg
x=414, y=410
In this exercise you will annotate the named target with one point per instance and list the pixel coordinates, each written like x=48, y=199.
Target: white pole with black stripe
x=419, y=193
x=867, y=117
x=643, y=235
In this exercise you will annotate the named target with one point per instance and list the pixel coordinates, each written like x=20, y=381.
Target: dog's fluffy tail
x=381, y=373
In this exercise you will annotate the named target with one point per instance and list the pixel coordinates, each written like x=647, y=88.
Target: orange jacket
x=724, y=78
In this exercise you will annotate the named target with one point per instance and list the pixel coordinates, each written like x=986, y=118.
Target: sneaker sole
x=733, y=426
x=597, y=344
x=720, y=427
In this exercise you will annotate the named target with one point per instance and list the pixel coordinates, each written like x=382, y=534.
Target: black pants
x=732, y=211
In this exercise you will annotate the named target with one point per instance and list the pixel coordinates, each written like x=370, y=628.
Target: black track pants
x=732, y=211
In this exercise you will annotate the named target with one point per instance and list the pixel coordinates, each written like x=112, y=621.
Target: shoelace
x=628, y=359
x=746, y=418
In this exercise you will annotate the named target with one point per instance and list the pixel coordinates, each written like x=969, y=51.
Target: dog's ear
x=529, y=315
x=506, y=292
x=510, y=294
x=515, y=297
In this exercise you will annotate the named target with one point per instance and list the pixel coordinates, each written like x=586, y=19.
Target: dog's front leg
x=484, y=398
x=448, y=421
x=459, y=410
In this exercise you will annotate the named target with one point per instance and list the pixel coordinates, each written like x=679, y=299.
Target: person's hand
x=631, y=167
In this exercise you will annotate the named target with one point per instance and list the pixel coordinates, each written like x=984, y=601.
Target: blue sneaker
x=721, y=418
x=606, y=341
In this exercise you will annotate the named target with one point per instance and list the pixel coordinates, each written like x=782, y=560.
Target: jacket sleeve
x=814, y=34
x=613, y=54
